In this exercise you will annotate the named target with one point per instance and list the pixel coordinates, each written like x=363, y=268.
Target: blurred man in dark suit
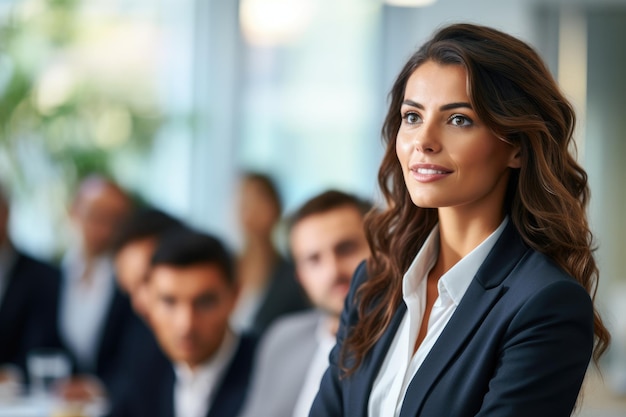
x=93, y=312
x=133, y=249
x=205, y=370
x=28, y=300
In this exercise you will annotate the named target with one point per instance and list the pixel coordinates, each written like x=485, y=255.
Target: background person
x=94, y=314
x=268, y=288
x=134, y=246
x=206, y=366
x=327, y=243
x=133, y=249
x=28, y=302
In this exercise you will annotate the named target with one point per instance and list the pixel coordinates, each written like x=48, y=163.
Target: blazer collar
x=506, y=253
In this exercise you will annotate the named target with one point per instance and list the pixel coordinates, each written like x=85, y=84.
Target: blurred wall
x=309, y=112
x=605, y=155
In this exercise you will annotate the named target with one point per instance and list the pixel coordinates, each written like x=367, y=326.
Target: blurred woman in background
x=268, y=287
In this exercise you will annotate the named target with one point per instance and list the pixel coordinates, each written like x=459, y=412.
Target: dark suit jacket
x=28, y=310
x=119, y=319
x=518, y=344
x=113, y=351
x=284, y=295
x=136, y=349
x=152, y=391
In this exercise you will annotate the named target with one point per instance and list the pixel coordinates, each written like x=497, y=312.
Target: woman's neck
x=256, y=246
x=256, y=262
x=458, y=235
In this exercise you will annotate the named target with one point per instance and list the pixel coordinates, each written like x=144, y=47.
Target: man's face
x=327, y=247
x=97, y=214
x=189, y=310
x=132, y=263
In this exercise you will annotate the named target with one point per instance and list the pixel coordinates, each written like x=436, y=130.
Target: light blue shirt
x=85, y=304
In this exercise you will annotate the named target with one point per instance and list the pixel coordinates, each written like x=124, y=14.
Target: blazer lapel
x=363, y=379
x=117, y=317
x=478, y=300
x=15, y=297
x=165, y=398
x=231, y=391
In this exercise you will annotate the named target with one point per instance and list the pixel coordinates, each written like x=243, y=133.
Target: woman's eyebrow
x=445, y=107
x=455, y=106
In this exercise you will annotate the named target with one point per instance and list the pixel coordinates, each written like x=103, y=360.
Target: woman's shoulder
x=537, y=277
x=359, y=278
x=512, y=263
x=537, y=268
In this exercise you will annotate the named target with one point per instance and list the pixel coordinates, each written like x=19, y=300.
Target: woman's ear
x=516, y=158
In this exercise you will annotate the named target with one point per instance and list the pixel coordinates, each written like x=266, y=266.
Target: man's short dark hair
x=184, y=247
x=144, y=223
x=326, y=201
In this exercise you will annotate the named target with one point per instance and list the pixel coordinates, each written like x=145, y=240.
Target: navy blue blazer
x=28, y=310
x=518, y=344
x=284, y=295
x=151, y=392
x=136, y=349
x=120, y=317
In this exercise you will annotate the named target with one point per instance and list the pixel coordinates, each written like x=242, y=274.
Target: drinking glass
x=46, y=367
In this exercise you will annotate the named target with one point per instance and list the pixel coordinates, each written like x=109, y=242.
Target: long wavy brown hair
x=515, y=95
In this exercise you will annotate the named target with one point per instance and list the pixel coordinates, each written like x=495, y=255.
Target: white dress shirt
x=195, y=388
x=400, y=364
x=84, y=305
x=319, y=364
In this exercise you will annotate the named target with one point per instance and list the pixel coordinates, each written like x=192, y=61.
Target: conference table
x=37, y=406
x=51, y=393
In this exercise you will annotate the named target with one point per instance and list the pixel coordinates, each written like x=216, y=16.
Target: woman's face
x=449, y=157
x=257, y=209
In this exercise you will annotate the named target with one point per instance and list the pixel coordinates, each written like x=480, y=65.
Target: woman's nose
x=426, y=138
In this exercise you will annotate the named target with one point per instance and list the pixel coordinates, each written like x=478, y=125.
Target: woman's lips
x=429, y=173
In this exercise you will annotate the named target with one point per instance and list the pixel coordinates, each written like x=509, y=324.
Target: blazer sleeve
x=329, y=399
x=545, y=354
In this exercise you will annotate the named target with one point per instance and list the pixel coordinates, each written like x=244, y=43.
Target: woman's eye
x=411, y=118
x=460, y=120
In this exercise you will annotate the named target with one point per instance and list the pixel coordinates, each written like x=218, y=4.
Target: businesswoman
x=478, y=297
